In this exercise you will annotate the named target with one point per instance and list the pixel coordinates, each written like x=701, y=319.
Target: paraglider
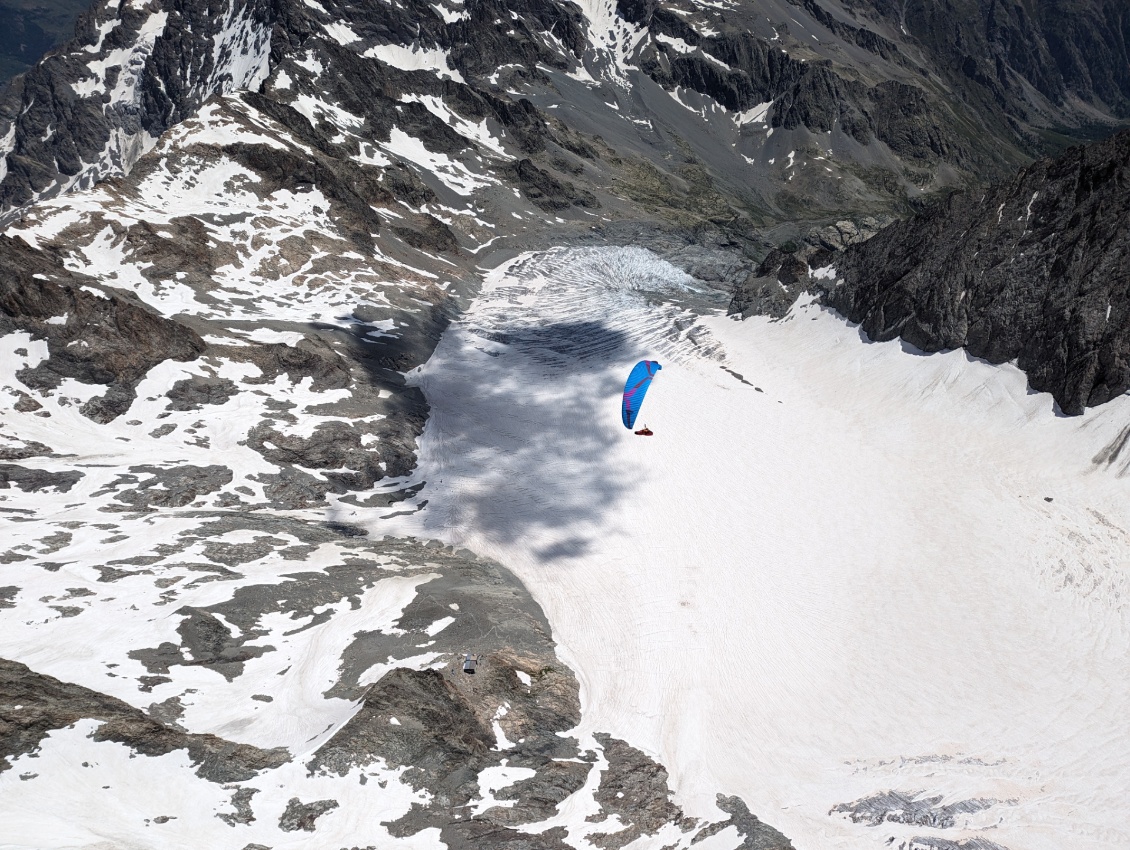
x=634, y=391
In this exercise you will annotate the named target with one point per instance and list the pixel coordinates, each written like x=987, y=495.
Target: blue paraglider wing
x=636, y=388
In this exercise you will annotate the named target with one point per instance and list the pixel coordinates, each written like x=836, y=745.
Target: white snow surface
x=477, y=131
x=611, y=43
x=838, y=568
x=109, y=797
x=755, y=115
x=6, y=145
x=855, y=569
x=242, y=52
x=415, y=58
x=453, y=173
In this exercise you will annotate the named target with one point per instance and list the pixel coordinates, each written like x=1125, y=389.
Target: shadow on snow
x=524, y=429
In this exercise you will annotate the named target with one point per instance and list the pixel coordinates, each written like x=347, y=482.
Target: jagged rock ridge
x=822, y=107
x=1032, y=270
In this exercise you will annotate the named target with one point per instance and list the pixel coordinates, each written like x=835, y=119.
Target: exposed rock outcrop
x=904, y=107
x=299, y=815
x=32, y=480
x=31, y=705
x=994, y=54
x=197, y=391
x=71, y=120
x=1032, y=270
x=92, y=339
x=916, y=809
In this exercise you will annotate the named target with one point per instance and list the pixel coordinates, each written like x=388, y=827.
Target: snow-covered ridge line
x=134, y=71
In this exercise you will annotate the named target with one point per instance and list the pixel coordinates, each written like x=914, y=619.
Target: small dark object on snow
x=1047, y=498
x=470, y=662
x=645, y=431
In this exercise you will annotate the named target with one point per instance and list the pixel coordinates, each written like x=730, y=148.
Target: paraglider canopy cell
x=636, y=388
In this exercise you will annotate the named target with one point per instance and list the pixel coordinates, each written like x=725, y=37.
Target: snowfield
x=839, y=569
x=879, y=596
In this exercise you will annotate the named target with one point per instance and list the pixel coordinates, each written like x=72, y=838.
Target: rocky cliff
x=1050, y=68
x=132, y=71
x=729, y=115
x=1032, y=270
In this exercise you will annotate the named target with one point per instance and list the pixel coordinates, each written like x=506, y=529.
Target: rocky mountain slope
x=1048, y=68
x=235, y=230
x=1032, y=270
x=204, y=400
x=724, y=115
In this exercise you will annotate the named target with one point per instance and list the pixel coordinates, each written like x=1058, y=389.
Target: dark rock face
x=31, y=480
x=1032, y=270
x=993, y=54
x=909, y=108
x=443, y=736
x=192, y=393
x=174, y=487
x=31, y=705
x=837, y=236
x=195, y=55
x=307, y=359
x=202, y=51
x=930, y=842
x=1058, y=47
x=339, y=447
x=209, y=643
x=896, y=807
x=486, y=38
x=94, y=340
x=241, y=802
x=299, y=815
x=349, y=209
x=634, y=789
x=549, y=193
x=957, y=92
x=756, y=835
x=334, y=445
x=814, y=95
x=773, y=287
x=785, y=272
